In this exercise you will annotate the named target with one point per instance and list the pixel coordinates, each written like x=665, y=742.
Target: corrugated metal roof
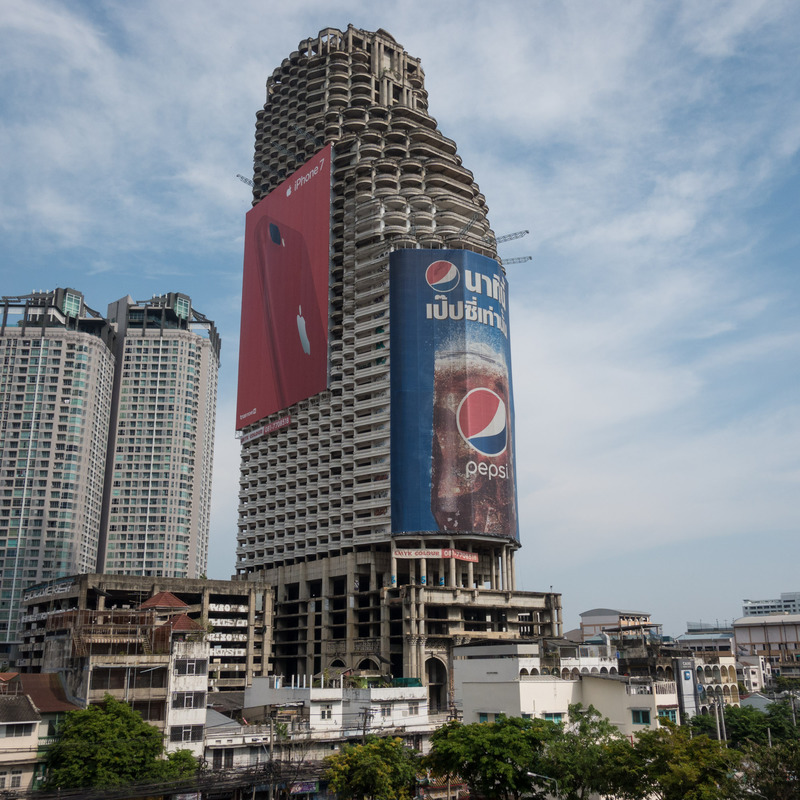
x=46, y=691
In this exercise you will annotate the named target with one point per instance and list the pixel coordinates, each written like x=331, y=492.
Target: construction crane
x=521, y=260
x=508, y=237
x=245, y=180
x=473, y=219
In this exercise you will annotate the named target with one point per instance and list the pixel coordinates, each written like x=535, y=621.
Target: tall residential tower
x=56, y=390
x=157, y=506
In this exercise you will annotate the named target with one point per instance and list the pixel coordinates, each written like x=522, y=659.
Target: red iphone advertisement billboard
x=283, y=347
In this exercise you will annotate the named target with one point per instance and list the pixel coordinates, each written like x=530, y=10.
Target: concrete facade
x=237, y=617
x=314, y=513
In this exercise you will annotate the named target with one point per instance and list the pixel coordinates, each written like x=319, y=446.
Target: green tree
x=781, y=721
x=704, y=724
x=787, y=684
x=745, y=724
x=670, y=764
x=773, y=772
x=580, y=758
x=380, y=769
x=497, y=758
x=110, y=745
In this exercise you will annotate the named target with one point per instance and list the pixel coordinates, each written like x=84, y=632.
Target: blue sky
x=650, y=148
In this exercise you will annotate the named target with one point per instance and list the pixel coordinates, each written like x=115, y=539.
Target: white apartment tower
x=106, y=440
x=158, y=477
x=315, y=506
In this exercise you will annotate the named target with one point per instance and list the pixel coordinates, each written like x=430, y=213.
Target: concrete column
x=513, y=573
x=350, y=602
x=452, y=578
x=493, y=573
x=470, y=573
x=423, y=571
x=393, y=568
x=251, y=630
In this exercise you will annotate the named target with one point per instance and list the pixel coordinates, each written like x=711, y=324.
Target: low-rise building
x=528, y=679
x=597, y=620
x=753, y=672
x=317, y=719
x=236, y=614
x=19, y=742
x=706, y=638
x=775, y=637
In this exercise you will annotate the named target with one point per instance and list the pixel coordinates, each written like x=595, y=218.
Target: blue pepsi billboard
x=451, y=395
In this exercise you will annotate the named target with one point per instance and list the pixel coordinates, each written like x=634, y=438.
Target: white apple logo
x=301, y=329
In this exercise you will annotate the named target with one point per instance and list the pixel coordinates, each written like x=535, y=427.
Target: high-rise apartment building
x=157, y=506
x=355, y=591
x=56, y=388
x=106, y=437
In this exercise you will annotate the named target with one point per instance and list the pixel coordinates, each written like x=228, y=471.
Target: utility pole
x=271, y=753
x=367, y=715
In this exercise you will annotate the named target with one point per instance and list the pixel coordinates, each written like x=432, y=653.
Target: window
x=413, y=709
x=19, y=729
x=222, y=758
x=386, y=709
x=182, y=307
x=555, y=717
x=16, y=778
x=186, y=733
x=327, y=712
x=3, y=780
x=641, y=716
x=191, y=666
x=668, y=713
x=72, y=304
x=189, y=700
x=483, y=717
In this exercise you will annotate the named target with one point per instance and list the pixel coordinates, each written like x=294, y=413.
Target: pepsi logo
x=442, y=276
x=481, y=420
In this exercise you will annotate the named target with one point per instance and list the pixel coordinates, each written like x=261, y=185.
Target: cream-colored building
x=19, y=743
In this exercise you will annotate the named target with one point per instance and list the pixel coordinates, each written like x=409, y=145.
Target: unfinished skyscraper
x=326, y=469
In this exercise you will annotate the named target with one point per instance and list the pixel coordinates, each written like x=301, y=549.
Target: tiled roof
x=46, y=691
x=163, y=600
x=182, y=622
x=17, y=708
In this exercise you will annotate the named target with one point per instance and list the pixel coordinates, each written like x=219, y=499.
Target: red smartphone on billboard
x=295, y=334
